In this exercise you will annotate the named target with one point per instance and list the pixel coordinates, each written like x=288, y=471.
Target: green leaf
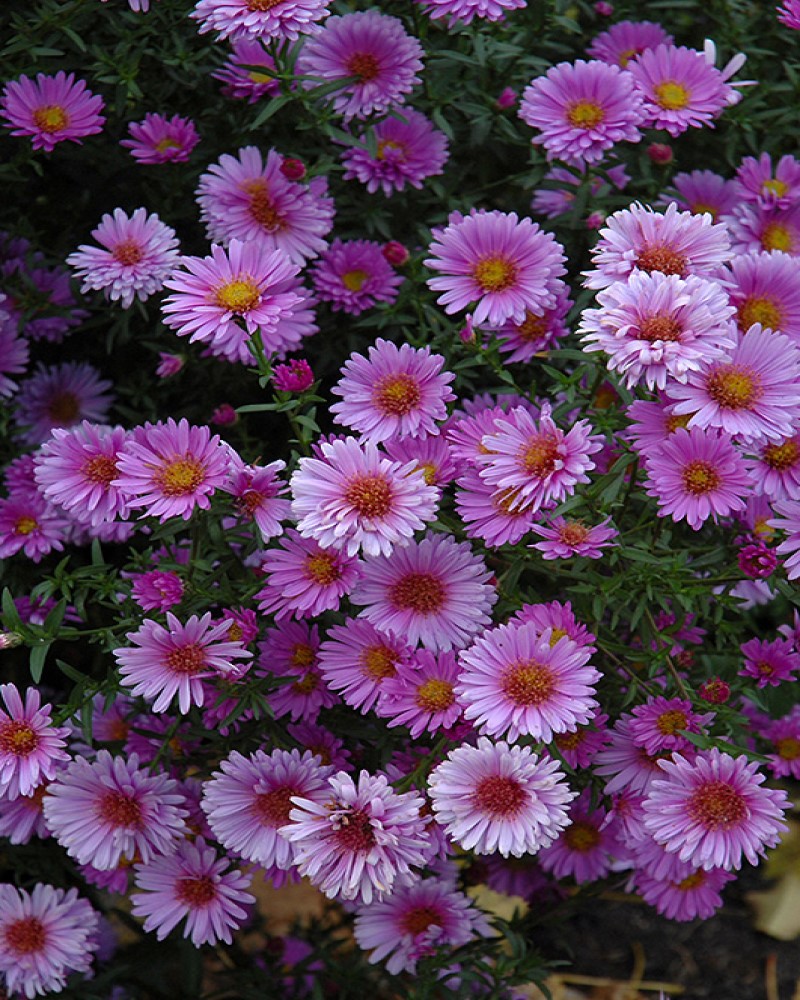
x=38, y=656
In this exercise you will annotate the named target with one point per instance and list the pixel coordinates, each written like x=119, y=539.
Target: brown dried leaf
x=778, y=909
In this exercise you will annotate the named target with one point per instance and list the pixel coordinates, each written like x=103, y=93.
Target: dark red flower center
x=262, y=208
x=100, y=469
x=355, y=832
x=128, y=253
x=25, y=936
x=120, y=809
x=660, y=327
x=363, y=65
x=717, y=805
x=419, y=919
x=188, y=659
x=196, y=891
x=663, y=259
x=369, y=495
x=18, y=738
x=64, y=408
x=582, y=836
x=499, y=795
x=422, y=593
x=273, y=808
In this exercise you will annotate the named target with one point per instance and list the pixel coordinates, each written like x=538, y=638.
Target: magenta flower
x=765, y=288
x=517, y=681
x=421, y=694
x=361, y=841
x=464, y=11
x=158, y=139
x=435, y=592
x=582, y=109
x=290, y=650
x=223, y=299
x=752, y=393
x=175, y=660
x=354, y=275
x=371, y=47
x=626, y=40
x=109, y=808
x=398, y=153
x=157, y=590
x=30, y=745
x=415, y=922
x=250, y=799
x=490, y=514
x=504, y=264
x=783, y=736
x=496, y=797
x=580, y=747
x=692, y=895
x=169, y=364
x=583, y=850
x=257, y=492
x=192, y=883
x=629, y=768
x=660, y=723
x=282, y=20
x=60, y=396
x=776, y=468
x=395, y=393
x=788, y=520
x=564, y=538
x=139, y=253
x=753, y=229
x=28, y=523
x=702, y=192
x=46, y=935
x=14, y=351
x=242, y=72
x=22, y=819
x=51, y=109
x=789, y=14
x=712, y=811
x=354, y=499
x=537, y=333
x=770, y=663
x=758, y=181
x=558, y=617
x=171, y=468
x=296, y=376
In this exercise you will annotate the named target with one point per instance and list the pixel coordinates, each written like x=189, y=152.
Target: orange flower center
x=585, y=114
x=378, y=662
x=180, y=477
x=759, y=309
x=396, y=395
x=422, y=593
x=733, y=387
x=51, y=118
x=788, y=748
x=663, y=259
x=306, y=685
x=238, y=296
x=189, y=659
x=672, y=96
x=781, y=456
x=322, y=568
x=532, y=328
x=435, y=695
x=703, y=208
x=494, y=274
x=18, y=738
x=196, y=891
x=303, y=655
x=693, y=881
x=700, y=477
x=364, y=66
x=499, y=795
x=717, y=805
x=369, y=495
x=166, y=143
x=25, y=525
x=569, y=741
x=25, y=936
x=389, y=144
x=582, y=836
x=573, y=533
x=528, y=683
x=128, y=253
x=669, y=723
x=778, y=237
x=100, y=469
x=540, y=455
x=660, y=327
x=262, y=208
x=675, y=421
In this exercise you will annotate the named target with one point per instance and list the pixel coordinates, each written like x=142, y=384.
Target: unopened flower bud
x=660, y=153
x=717, y=691
x=395, y=253
x=293, y=170
x=224, y=415
x=507, y=98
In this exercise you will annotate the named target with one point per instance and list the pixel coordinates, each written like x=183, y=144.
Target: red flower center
x=378, y=662
x=435, y=695
x=717, y=805
x=582, y=836
x=196, y=892
x=189, y=659
x=26, y=936
x=660, y=327
x=396, y=395
x=733, y=387
x=528, y=683
x=128, y=253
x=363, y=65
x=120, y=809
x=322, y=568
x=422, y=593
x=370, y=495
x=355, y=832
x=273, y=808
x=663, y=259
x=180, y=477
x=759, y=309
x=419, y=919
x=700, y=477
x=499, y=795
x=249, y=502
x=18, y=738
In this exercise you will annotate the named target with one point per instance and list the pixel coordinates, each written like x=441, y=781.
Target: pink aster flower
x=626, y=40
x=22, y=819
x=296, y=376
x=490, y=514
x=250, y=798
x=753, y=229
x=702, y=192
x=435, y=592
x=361, y=841
x=680, y=88
x=463, y=11
x=139, y=252
x=398, y=153
x=658, y=326
x=752, y=393
x=660, y=723
x=291, y=650
x=770, y=663
x=628, y=768
x=353, y=498
x=157, y=590
x=496, y=797
x=775, y=468
x=583, y=850
x=694, y=894
x=169, y=364
x=556, y=200
x=536, y=460
x=697, y=474
x=582, y=109
x=564, y=538
x=395, y=393
x=788, y=520
x=303, y=579
x=712, y=811
x=354, y=275
x=783, y=736
x=580, y=747
x=192, y=883
x=14, y=352
x=60, y=396
x=758, y=181
x=282, y=20
x=29, y=524
x=158, y=139
x=371, y=47
x=789, y=14
x=223, y=299
x=174, y=660
x=249, y=72
x=504, y=264
x=51, y=109
x=421, y=694
x=30, y=745
x=515, y=682
x=46, y=935
x=109, y=808
x=765, y=288
x=673, y=242
x=75, y=469
x=416, y=921
x=170, y=469
x=538, y=332
x=257, y=492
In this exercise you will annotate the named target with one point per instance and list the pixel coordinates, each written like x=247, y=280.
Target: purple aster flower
x=752, y=393
x=659, y=326
x=296, y=376
x=372, y=48
x=290, y=650
x=552, y=202
x=14, y=351
x=417, y=921
x=171, y=468
x=712, y=811
x=22, y=819
x=515, y=681
x=775, y=468
x=673, y=242
x=157, y=590
x=247, y=197
x=626, y=40
x=464, y=11
x=506, y=265
x=249, y=72
x=60, y=396
x=582, y=109
x=175, y=660
x=31, y=747
x=361, y=840
x=28, y=523
x=783, y=736
x=192, y=883
x=557, y=617
x=322, y=743
x=353, y=498
x=395, y=393
x=250, y=799
x=51, y=109
x=758, y=181
x=354, y=275
x=158, y=139
x=496, y=797
x=435, y=592
x=490, y=514
x=692, y=895
x=753, y=229
x=421, y=694
x=702, y=192
x=139, y=252
x=770, y=663
x=282, y=20
x=223, y=299
x=765, y=288
x=583, y=850
x=580, y=747
x=564, y=538
x=45, y=936
x=431, y=454
x=257, y=492
x=75, y=469
x=788, y=520
x=660, y=723
x=789, y=14
x=397, y=153
x=109, y=808
x=537, y=332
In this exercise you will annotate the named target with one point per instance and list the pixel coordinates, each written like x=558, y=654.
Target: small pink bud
x=395, y=253
x=507, y=98
x=297, y=376
x=717, y=691
x=660, y=153
x=293, y=170
x=595, y=219
x=604, y=9
x=467, y=332
x=224, y=415
x=170, y=364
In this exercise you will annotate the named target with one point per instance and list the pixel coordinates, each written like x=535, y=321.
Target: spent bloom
x=354, y=275
x=31, y=747
x=158, y=139
x=51, y=109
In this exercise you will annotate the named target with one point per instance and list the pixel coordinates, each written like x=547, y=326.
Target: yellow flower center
x=26, y=525
x=781, y=456
x=669, y=723
x=788, y=748
x=672, y=96
x=581, y=837
x=700, y=477
x=238, y=296
x=167, y=143
x=777, y=237
x=396, y=395
x=51, y=118
x=585, y=114
x=527, y=683
x=378, y=662
x=435, y=695
x=774, y=186
x=391, y=145
x=760, y=309
x=733, y=388
x=354, y=281
x=494, y=274
x=180, y=477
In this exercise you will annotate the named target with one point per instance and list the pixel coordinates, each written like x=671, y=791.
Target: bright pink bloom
x=496, y=797
x=296, y=376
x=357, y=661
x=788, y=520
x=715, y=691
x=757, y=560
x=291, y=650
x=775, y=469
x=242, y=73
x=758, y=181
x=395, y=253
x=564, y=538
x=626, y=40
x=765, y=289
x=702, y=191
x=753, y=229
x=694, y=894
x=60, y=396
x=583, y=850
x=463, y=11
x=371, y=47
x=789, y=14
x=169, y=364
x=505, y=264
x=490, y=514
x=30, y=745
x=537, y=332
x=258, y=495
x=31, y=525
x=281, y=20
x=158, y=139
x=770, y=663
x=354, y=275
x=421, y=694
x=582, y=109
x=51, y=109
x=783, y=736
x=157, y=590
